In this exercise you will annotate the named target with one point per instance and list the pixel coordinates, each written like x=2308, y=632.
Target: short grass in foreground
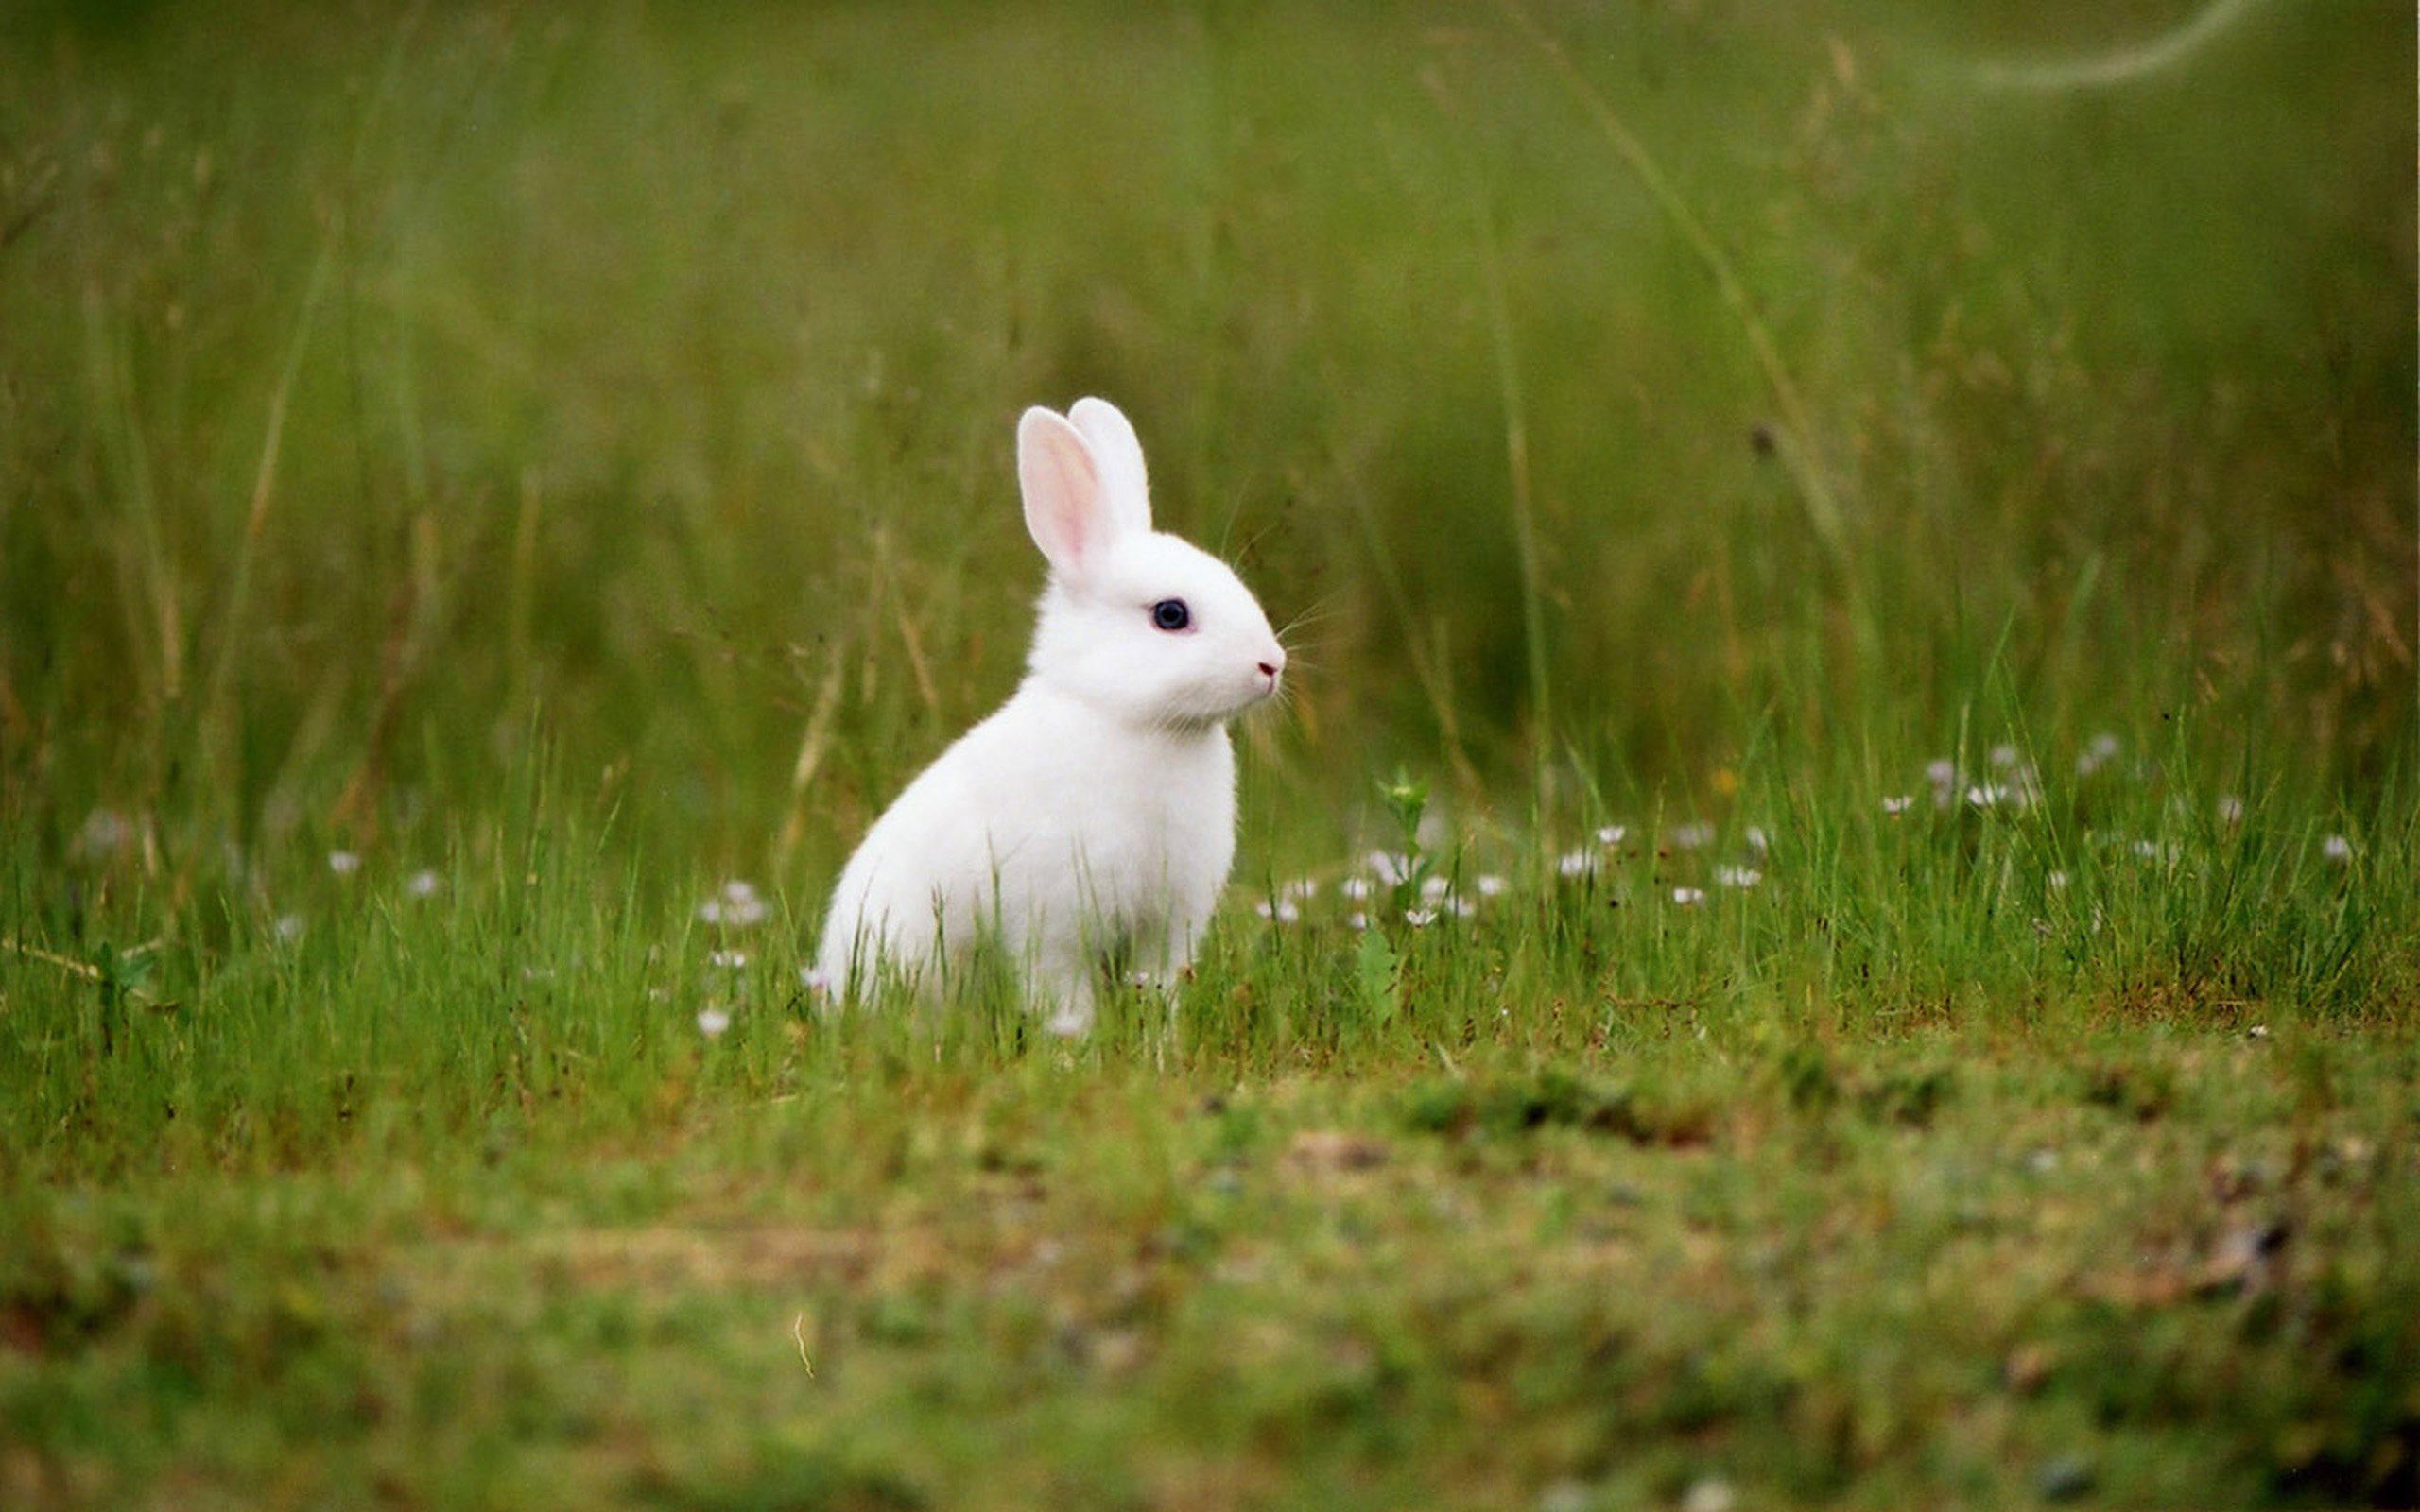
x=1826, y=1150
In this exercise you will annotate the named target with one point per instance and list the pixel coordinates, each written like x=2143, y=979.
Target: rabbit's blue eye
x=1171, y=614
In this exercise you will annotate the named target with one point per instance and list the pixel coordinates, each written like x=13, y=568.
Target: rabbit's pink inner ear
x=1063, y=509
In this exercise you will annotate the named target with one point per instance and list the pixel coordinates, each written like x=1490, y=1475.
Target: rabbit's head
x=1137, y=624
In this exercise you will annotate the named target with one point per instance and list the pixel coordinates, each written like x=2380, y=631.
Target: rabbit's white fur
x=1091, y=819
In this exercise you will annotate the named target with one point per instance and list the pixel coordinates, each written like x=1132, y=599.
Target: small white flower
x=1420, y=917
x=1490, y=885
x=1357, y=921
x=1740, y=877
x=1458, y=906
x=1690, y=836
x=1432, y=889
x=104, y=831
x=1576, y=863
x=1942, y=771
x=2056, y=882
x=1757, y=840
x=289, y=926
x=1995, y=794
x=736, y=903
x=1688, y=897
x=713, y=1021
x=2099, y=754
x=1301, y=890
x=2337, y=849
x=1612, y=834
x=343, y=862
x=1390, y=868
x=1898, y=804
x=1710, y=1493
x=423, y=883
x=1354, y=888
x=2230, y=809
x=728, y=960
x=1282, y=911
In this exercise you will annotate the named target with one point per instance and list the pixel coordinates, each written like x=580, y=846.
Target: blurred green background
x=390, y=394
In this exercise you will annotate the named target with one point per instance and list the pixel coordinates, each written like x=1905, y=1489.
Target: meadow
x=1828, y=918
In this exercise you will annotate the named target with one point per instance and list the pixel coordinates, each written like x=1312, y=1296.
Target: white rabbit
x=1089, y=822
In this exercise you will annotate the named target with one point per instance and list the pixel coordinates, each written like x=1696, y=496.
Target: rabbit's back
x=1069, y=835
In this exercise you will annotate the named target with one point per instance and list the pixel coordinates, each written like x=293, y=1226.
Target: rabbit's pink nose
x=1273, y=663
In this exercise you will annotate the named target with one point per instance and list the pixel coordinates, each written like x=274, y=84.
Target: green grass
x=1869, y=609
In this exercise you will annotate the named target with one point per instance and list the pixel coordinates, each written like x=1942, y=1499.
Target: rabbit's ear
x=1066, y=500
x=1120, y=456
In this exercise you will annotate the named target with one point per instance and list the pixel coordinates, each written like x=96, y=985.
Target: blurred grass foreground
x=1595, y=387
